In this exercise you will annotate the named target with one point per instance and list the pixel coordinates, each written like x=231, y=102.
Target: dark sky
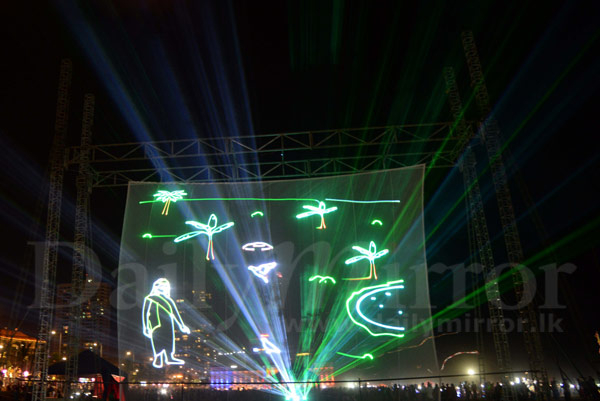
x=173, y=69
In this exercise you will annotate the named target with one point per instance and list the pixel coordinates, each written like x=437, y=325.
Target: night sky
x=173, y=69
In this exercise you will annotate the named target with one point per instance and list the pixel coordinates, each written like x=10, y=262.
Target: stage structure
x=272, y=156
x=295, y=155
x=310, y=274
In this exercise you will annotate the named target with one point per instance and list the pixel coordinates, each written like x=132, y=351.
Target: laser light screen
x=281, y=281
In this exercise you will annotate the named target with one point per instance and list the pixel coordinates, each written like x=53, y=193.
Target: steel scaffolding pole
x=490, y=133
x=492, y=290
x=40, y=364
x=80, y=249
x=466, y=134
x=477, y=226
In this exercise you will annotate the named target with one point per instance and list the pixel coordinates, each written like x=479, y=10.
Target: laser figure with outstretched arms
x=322, y=210
x=208, y=229
x=370, y=254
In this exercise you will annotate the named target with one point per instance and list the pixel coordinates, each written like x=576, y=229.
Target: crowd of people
x=582, y=389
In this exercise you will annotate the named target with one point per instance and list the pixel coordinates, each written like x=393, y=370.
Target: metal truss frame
x=271, y=156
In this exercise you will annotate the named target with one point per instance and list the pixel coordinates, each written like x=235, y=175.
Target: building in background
x=233, y=379
x=95, y=333
x=16, y=353
x=195, y=347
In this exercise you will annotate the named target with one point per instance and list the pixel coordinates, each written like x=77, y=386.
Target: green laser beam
x=518, y=129
x=376, y=222
x=274, y=200
x=364, y=356
x=356, y=201
x=257, y=213
x=150, y=236
x=453, y=310
x=240, y=199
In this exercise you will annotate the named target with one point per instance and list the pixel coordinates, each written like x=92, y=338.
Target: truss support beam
x=482, y=239
x=259, y=157
x=40, y=364
x=478, y=230
x=80, y=249
x=492, y=138
x=465, y=135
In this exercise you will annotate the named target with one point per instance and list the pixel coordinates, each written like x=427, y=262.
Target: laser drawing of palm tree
x=167, y=197
x=370, y=254
x=208, y=229
x=322, y=210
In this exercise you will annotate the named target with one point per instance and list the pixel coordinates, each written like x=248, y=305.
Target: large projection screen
x=278, y=281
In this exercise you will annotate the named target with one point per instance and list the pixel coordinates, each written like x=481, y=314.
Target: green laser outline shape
x=381, y=287
x=322, y=279
x=357, y=201
x=240, y=199
x=364, y=356
x=276, y=199
x=449, y=312
x=321, y=210
x=168, y=305
x=371, y=254
x=150, y=236
x=208, y=229
x=376, y=221
x=167, y=197
x=257, y=212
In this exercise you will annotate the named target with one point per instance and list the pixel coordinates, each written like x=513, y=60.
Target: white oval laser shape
x=253, y=246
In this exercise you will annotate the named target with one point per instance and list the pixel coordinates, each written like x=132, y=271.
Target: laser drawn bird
x=322, y=210
x=208, y=229
x=263, y=270
x=167, y=197
x=371, y=254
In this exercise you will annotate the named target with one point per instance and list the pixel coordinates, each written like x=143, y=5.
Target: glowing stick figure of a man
x=159, y=314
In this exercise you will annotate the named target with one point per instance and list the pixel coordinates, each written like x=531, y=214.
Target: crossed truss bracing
x=272, y=156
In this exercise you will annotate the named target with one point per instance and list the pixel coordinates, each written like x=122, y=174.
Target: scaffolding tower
x=48, y=280
x=490, y=135
x=80, y=244
x=478, y=232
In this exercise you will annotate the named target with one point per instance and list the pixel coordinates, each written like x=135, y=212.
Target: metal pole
x=359, y=390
